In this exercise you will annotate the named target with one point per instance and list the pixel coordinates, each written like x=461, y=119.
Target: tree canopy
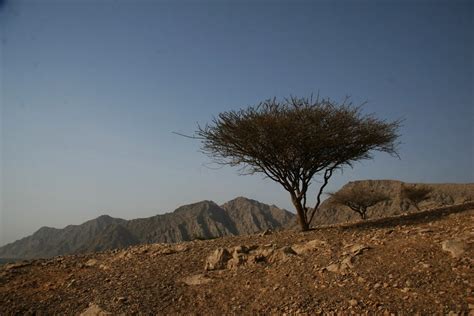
x=415, y=194
x=359, y=199
x=294, y=140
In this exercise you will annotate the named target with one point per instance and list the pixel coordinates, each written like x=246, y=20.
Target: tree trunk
x=301, y=215
x=364, y=213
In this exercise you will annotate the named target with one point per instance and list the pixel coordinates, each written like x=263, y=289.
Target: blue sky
x=91, y=92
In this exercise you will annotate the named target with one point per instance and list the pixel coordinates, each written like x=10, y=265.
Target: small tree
x=359, y=199
x=295, y=140
x=415, y=194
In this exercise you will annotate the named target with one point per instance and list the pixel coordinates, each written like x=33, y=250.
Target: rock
x=425, y=230
x=218, y=259
x=73, y=281
x=180, y=248
x=265, y=252
x=281, y=255
x=13, y=266
x=167, y=251
x=121, y=299
x=94, y=310
x=197, y=279
x=104, y=267
x=425, y=265
x=335, y=268
x=308, y=247
x=266, y=232
x=341, y=267
x=454, y=246
x=124, y=255
x=347, y=263
x=356, y=249
x=91, y=262
x=241, y=249
x=238, y=258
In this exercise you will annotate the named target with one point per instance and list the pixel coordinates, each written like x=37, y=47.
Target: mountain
x=250, y=216
x=443, y=194
x=202, y=220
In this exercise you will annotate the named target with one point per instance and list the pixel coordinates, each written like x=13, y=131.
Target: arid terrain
x=408, y=263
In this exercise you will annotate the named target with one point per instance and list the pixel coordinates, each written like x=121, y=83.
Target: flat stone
x=356, y=249
x=91, y=262
x=454, y=246
x=94, y=310
x=197, y=279
x=310, y=246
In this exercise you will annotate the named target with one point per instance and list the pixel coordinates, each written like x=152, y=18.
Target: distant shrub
x=358, y=199
x=415, y=194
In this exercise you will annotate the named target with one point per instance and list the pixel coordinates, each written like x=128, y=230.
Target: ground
x=409, y=263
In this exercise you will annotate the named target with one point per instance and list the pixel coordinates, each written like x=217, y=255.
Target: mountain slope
x=48, y=242
x=251, y=216
x=443, y=194
x=202, y=220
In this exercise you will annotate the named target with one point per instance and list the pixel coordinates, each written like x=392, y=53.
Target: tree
x=359, y=199
x=295, y=140
x=415, y=194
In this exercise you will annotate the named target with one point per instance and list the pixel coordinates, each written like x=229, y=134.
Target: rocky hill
x=203, y=220
x=444, y=194
x=418, y=263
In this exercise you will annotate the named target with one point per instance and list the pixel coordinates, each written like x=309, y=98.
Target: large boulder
x=218, y=259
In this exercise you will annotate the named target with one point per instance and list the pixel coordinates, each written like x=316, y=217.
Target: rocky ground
x=409, y=263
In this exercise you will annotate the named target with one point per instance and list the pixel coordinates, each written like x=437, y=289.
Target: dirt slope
x=388, y=265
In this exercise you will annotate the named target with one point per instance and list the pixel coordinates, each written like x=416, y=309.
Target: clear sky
x=91, y=92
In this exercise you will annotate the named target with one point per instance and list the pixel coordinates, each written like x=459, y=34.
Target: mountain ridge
x=199, y=220
x=206, y=220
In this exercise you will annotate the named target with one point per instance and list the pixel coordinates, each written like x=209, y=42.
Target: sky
x=92, y=91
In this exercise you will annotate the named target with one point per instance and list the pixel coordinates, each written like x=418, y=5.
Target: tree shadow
x=422, y=217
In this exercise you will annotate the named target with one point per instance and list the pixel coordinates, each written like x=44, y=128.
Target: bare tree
x=295, y=140
x=415, y=194
x=359, y=199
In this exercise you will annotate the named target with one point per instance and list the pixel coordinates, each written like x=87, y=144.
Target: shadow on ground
x=422, y=217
